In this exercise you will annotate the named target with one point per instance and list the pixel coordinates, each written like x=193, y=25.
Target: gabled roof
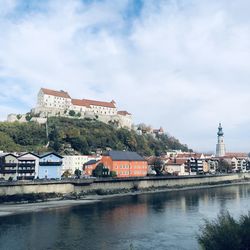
x=88, y=103
x=5, y=154
x=46, y=154
x=60, y=93
x=124, y=156
x=28, y=153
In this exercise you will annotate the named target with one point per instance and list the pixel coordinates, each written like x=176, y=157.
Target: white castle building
x=59, y=103
x=220, y=146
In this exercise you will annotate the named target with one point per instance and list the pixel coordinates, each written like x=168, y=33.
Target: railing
x=8, y=171
x=9, y=164
x=25, y=177
x=26, y=165
x=50, y=163
x=26, y=170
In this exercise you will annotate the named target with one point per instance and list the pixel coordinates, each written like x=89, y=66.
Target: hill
x=85, y=136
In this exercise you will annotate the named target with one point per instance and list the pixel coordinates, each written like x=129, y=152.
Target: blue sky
x=183, y=65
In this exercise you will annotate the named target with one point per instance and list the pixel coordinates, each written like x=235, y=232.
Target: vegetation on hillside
x=226, y=233
x=67, y=135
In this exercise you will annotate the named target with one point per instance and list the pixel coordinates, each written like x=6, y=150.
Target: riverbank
x=7, y=209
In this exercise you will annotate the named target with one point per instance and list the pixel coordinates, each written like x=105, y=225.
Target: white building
x=31, y=156
x=73, y=162
x=52, y=102
x=176, y=167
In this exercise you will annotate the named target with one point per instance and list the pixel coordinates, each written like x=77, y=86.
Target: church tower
x=220, y=146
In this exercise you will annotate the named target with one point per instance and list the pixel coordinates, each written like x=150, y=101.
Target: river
x=166, y=220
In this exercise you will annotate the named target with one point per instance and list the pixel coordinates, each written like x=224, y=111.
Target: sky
x=180, y=64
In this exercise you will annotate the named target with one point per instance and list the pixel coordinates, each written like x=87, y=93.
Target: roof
x=236, y=154
x=60, y=93
x=5, y=154
x=88, y=103
x=123, y=112
x=176, y=161
x=29, y=153
x=91, y=162
x=46, y=154
x=124, y=156
x=25, y=158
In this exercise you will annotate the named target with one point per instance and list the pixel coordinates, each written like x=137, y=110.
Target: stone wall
x=88, y=186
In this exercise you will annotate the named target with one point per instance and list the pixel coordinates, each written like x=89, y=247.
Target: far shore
x=8, y=209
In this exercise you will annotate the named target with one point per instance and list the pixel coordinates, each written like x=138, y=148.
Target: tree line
x=85, y=136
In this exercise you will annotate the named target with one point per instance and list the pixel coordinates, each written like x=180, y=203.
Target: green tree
x=101, y=171
x=72, y=113
x=224, y=166
x=78, y=173
x=113, y=174
x=66, y=174
x=225, y=233
x=158, y=166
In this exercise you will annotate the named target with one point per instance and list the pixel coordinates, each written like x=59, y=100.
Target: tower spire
x=220, y=146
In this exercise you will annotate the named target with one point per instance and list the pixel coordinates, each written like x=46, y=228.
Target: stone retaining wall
x=88, y=186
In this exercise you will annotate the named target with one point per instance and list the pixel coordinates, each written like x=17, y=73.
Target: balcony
x=50, y=163
x=26, y=165
x=26, y=170
x=9, y=164
x=8, y=171
x=25, y=177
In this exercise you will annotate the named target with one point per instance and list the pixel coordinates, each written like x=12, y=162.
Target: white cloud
x=180, y=64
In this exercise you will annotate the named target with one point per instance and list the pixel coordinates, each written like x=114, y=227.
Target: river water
x=167, y=220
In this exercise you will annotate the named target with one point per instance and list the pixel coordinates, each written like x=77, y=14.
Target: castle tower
x=220, y=146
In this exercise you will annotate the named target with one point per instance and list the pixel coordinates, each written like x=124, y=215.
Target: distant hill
x=68, y=136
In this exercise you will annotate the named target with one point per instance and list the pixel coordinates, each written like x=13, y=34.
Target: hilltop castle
x=59, y=103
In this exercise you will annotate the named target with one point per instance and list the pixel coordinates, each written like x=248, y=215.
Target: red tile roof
x=232, y=154
x=88, y=103
x=56, y=93
x=176, y=161
x=123, y=112
x=79, y=102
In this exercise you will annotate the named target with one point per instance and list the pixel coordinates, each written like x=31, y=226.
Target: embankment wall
x=88, y=186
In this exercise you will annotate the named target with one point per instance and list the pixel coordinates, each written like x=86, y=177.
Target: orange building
x=125, y=163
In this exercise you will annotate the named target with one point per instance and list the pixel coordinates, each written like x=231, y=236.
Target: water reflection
x=167, y=220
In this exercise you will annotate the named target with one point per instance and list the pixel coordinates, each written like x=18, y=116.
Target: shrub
x=72, y=113
x=226, y=233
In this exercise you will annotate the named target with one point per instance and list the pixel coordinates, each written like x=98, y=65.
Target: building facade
x=50, y=166
x=125, y=163
x=26, y=168
x=73, y=162
x=8, y=166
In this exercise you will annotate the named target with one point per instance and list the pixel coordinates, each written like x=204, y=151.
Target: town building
x=176, y=167
x=194, y=166
x=50, y=166
x=26, y=169
x=89, y=166
x=73, y=162
x=125, y=163
x=220, y=146
x=8, y=166
x=29, y=156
